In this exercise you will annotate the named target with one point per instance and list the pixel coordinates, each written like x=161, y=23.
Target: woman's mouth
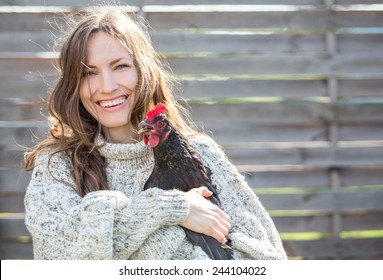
x=112, y=103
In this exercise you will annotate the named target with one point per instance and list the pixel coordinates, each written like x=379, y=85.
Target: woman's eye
x=88, y=73
x=122, y=66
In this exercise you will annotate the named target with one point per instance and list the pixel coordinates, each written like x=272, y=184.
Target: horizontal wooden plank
x=287, y=113
x=35, y=88
x=365, y=221
x=359, y=42
x=360, y=132
x=319, y=223
x=369, y=200
x=371, y=248
x=222, y=87
x=263, y=113
x=239, y=43
x=322, y=249
x=316, y=64
x=324, y=223
x=26, y=137
x=361, y=88
x=11, y=160
x=13, y=227
x=29, y=22
x=263, y=156
x=74, y=3
x=21, y=109
x=342, y=157
x=10, y=250
x=41, y=18
x=183, y=2
x=252, y=16
x=229, y=2
x=264, y=3
x=12, y=203
x=311, y=249
x=28, y=69
x=228, y=88
x=14, y=180
x=313, y=178
x=197, y=88
x=224, y=42
x=278, y=64
x=355, y=177
x=318, y=18
x=249, y=132
x=289, y=42
x=21, y=136
x=327, y=201
x=257, y=2
x=187, y=42
x=24, y=41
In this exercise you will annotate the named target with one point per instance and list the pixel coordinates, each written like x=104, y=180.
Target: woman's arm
x=101, y=225
x=254, y=235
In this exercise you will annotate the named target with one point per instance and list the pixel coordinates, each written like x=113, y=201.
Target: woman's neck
x=121, y=135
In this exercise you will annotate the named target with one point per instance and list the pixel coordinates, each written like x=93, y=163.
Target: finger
x=204, y=191
x=226, y=226
x=221, y=213
x=219, y=236
x=218, y=224
x=224, y=216
x=222, y=229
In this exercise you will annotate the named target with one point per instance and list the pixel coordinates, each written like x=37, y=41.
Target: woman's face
x=108, y=85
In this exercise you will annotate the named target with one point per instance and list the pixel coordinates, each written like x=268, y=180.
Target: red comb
x=156, y=111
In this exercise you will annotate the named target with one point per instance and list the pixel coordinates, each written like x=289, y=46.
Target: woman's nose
x=107, y=83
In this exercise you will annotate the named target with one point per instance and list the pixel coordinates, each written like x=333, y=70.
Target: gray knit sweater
x=129, y=223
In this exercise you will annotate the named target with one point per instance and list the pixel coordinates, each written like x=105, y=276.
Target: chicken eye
x=161, y=123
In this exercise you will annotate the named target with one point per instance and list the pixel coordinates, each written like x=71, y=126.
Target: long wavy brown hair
x=73, y=130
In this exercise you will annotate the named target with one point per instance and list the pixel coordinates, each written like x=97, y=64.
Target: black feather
x=178, y=166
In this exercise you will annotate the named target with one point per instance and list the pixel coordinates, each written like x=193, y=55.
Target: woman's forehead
x=102, y=46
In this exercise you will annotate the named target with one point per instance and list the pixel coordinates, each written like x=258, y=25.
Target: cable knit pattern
x=129, y=223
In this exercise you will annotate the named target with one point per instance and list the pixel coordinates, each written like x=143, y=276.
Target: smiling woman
x=110, y=78
x=86, y=198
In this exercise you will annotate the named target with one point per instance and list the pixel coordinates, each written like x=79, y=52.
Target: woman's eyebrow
x=119, y=59
x=114, y=61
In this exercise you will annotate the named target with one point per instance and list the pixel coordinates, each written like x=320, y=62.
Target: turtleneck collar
x=122, y=151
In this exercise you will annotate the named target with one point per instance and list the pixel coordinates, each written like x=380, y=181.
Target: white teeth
x=114, y=102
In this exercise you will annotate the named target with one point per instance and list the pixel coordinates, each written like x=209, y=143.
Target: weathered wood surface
x=221, y=87
x=292, y=90
x=276, y=64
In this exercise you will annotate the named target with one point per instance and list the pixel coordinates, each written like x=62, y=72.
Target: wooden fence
x=293, y=90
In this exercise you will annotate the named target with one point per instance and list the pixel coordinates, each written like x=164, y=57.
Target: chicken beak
x=144, y=127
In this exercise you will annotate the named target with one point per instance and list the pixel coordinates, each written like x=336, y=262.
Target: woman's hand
x=206, y=217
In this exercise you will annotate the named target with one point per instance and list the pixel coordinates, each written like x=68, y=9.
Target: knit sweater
x=129, y=223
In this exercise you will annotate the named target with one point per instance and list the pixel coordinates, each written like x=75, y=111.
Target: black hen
x=177, y=166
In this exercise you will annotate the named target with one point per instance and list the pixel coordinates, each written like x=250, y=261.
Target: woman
x=85, y=199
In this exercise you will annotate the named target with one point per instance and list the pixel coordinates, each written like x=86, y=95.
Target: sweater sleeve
x=254, y=235
x=101, y=225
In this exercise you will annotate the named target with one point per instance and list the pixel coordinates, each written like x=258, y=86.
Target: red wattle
x=153, y=140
